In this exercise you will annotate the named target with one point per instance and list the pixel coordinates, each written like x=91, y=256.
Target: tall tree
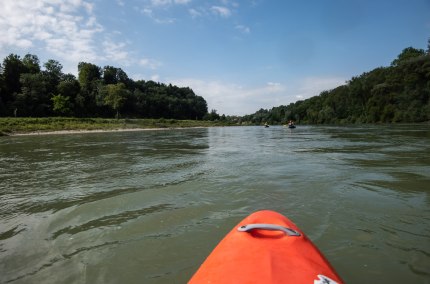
x=12, y=70
x=54, y=68
x=116, y=96
x=33, y=100
x=68, y=90
x=69, y=87
x=53, y=73
x=32, y=63
x=109, y=75
x=88, y=73
x=113, y=75
x=89, y=76
x=407, y=54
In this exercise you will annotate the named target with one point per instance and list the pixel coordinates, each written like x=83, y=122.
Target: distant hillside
x=398, y=93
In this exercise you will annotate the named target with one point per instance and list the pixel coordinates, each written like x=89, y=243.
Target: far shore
x=84, y=131
x=70, y=125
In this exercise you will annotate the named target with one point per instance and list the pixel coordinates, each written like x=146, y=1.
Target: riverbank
x=65, y=125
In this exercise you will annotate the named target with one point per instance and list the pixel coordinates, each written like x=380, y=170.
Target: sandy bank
x=83, y=131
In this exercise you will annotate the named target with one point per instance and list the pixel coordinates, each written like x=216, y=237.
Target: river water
x=149, y=206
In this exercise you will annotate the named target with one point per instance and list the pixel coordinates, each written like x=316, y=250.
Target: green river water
x=149, y=206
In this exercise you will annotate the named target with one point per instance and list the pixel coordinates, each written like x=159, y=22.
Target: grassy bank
x=10, y=126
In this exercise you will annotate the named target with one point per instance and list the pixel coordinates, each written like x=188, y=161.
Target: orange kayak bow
x=266, y=247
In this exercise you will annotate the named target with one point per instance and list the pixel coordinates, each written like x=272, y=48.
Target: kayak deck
x=266, y=247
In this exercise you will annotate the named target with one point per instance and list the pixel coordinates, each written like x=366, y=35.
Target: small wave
x=10, y=233
x=111, y=220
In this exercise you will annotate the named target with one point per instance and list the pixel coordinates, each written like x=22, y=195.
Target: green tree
x=407, y=54
x=116, y=96
x=113, y=75
x=89, y=76
x=69, y=86
x=54, y=68
x=88, y=73
x=53, y=73
x=12, y=69
x=31, y=63
x=213, y=115
x=33, y=100
x=61, y=105
x=69, y=90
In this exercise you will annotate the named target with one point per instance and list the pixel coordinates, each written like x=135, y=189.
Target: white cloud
x=67, y=30
x=147, y=12
x=221, y=11
x=140, y=76
x=168, y=2
x=243, y=29
x=164, y=21
x=150, y=13
x=229, y=2
x=160, y=2
x=151, y=7
x=115, y=51
x=234, y=99
x=150, y=63
x=195, y=13
x=155, y=77
x=64, y=28
x=183, y=2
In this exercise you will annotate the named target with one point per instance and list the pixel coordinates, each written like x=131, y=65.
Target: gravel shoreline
x=84, y=131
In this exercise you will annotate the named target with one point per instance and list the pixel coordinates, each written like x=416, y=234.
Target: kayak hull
x=266, y=256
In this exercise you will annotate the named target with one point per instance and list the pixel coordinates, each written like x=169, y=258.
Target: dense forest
x=398, y=93
x=28, y=91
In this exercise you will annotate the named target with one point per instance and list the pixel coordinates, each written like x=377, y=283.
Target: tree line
x=28, y=91
x=398, y=93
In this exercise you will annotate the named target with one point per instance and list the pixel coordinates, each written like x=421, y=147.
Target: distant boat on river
x=290, y=124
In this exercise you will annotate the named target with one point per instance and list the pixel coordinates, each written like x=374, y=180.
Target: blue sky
x=239, y=55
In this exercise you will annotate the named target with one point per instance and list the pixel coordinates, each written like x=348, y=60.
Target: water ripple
x=111, y=220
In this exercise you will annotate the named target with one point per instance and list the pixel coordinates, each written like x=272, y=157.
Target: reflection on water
x=149, y=206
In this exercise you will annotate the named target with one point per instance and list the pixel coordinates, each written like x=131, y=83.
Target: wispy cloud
x=183, y=2
x=115, y=52
x=168, y=2
x=150, y=8
x=243, y=29
x=195, y=13
x=150, y=63
x=155, y=77
x=149, y=12
x=221, y=11
x=154, y=8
